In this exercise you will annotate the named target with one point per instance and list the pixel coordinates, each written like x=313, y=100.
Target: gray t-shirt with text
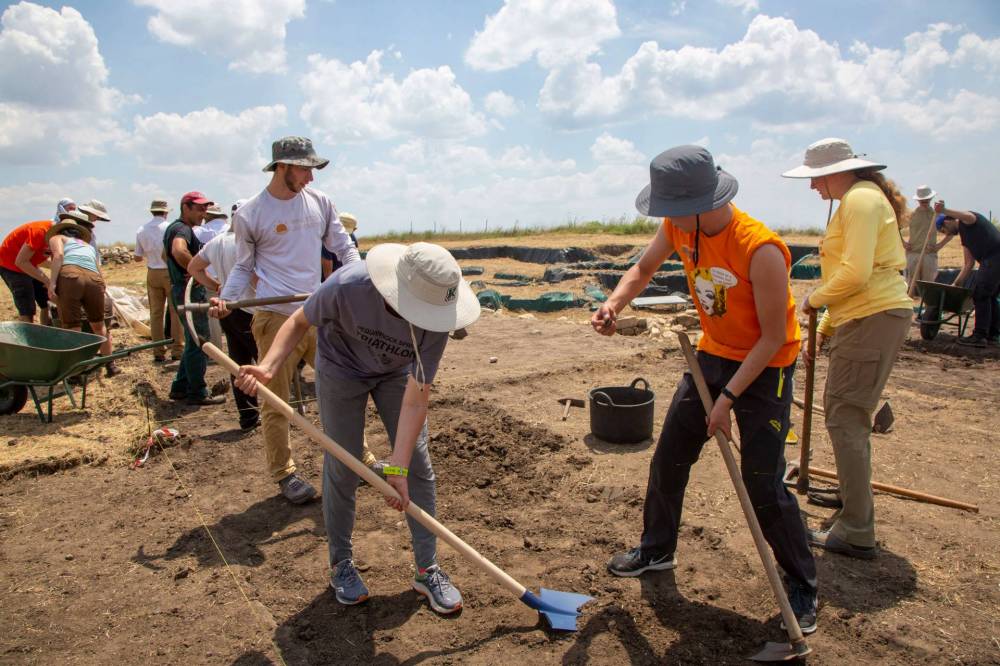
x=358, y=339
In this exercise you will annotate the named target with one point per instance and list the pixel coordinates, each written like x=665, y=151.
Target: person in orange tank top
x=738, y=274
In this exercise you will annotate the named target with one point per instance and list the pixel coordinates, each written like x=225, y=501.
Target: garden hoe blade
x=781, y=652
x=559, y=609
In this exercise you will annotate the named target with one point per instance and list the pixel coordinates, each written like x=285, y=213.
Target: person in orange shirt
x=21, y=252
x=738, y=270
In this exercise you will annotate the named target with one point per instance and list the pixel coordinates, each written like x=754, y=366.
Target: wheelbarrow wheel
x=12, y=399
x=929, y=329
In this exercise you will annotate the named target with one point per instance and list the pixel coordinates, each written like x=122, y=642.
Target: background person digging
x=279, y=233
x=77, y=285
x=747, y=354
x=219, y=254
x=923, y=233
x=22, y=252
x=383, y=327
x=180, y=245
x=980, y=242
x=868, y=315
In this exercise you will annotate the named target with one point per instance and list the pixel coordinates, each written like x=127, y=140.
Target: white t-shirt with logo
x=280, y=242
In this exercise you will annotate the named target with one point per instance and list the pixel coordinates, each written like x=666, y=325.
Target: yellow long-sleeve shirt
x=861, y=257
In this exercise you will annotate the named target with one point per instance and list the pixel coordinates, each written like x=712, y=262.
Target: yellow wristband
x=390, y=470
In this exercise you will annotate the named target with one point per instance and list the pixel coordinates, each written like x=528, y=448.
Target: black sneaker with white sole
x=635, y=563
x=802, y=599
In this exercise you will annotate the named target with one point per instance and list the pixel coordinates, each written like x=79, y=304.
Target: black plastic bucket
x=622, y=414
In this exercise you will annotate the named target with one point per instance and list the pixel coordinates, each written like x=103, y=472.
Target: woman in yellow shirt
x=867, y=317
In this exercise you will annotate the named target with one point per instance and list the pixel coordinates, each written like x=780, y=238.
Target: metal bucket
x=622, y=414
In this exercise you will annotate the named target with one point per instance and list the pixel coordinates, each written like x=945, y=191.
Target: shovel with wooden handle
x=802, y=485
x=246, y=303
x=559, y=609
x=797, y=647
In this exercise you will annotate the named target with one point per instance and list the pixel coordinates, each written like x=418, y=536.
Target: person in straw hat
x=77, y=285
x=149, y=248
x=383, y=327
x=740, y=270
x=922, y=234
x=279, y=233
x=868, y=315
x=330, y=262
x=216, y=223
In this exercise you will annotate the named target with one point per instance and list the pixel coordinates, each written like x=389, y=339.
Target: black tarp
x=531, y=255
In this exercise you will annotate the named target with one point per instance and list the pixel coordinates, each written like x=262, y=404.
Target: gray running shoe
x=296, y=489
x=436, y=586
x=634, y=562
x=347, y=584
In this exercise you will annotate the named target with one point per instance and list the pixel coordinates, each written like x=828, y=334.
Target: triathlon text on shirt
x=383, y=344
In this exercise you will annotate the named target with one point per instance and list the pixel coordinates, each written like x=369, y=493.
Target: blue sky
x=520, y=111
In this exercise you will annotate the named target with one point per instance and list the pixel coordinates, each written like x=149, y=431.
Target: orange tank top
x=721, y=290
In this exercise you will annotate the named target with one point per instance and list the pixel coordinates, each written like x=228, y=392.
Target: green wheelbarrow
x=41, y=360
x=943, y=304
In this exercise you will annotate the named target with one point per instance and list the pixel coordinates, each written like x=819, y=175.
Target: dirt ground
x=100, y=563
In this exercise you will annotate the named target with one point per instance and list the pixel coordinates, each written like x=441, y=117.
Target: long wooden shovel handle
x=920, y=264
x=904, y=492
x=246, y=303
x=373, y=479
x=791, y=624
x=802, y=484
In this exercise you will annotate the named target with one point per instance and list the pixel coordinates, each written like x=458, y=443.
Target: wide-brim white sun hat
x=924, y=192
x=423, y=283
x=829, y=156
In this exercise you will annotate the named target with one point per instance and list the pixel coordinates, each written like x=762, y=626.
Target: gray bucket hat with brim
x=297, y=150
x=685, y=181
x=830, y=156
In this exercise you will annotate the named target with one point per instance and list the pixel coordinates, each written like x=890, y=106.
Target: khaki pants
x=275, y=426
x=928, y=268
x=158, y=292
x=862, y=353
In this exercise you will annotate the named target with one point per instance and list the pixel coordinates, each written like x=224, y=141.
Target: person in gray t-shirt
x=382, y=329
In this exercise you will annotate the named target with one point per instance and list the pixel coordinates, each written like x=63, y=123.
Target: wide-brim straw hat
x=685, y=181
x=924, y=192
x=71, y=221
x=349, y=221
x=159, y=206
x=829, y=156
x=97, y=209
x=423, y=283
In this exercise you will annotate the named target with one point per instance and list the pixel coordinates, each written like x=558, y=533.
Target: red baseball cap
x=196, y=198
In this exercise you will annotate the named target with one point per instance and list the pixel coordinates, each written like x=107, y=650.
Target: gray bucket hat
x=297, y=150
x=685, y=181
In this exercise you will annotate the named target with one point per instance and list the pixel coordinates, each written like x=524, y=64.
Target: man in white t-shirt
x=149, y=246
x=279, y=233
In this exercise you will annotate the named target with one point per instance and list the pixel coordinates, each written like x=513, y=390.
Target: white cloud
x=209, y=140
x=745, y=6
x=780, y=76
x=452, y=181
x=501, y=104
x=57, y=105
x=556, y=31
x=359, y=102
x=983, y=55
x=608, y=149
x=250, y=34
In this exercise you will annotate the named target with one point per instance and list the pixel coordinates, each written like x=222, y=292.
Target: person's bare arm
x=23, y=261
x=944, y=241
x=963, y=216
x=179, y=251
x=963, y=275
x=196, y=268
x=56, y=248
x=769, y=280
x=411, y=421
x=632, y=283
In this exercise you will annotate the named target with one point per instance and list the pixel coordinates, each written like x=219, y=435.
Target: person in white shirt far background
x=279, y=233
x=149, y=247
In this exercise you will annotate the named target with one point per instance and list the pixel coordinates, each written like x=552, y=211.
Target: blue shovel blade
x=560, y=609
